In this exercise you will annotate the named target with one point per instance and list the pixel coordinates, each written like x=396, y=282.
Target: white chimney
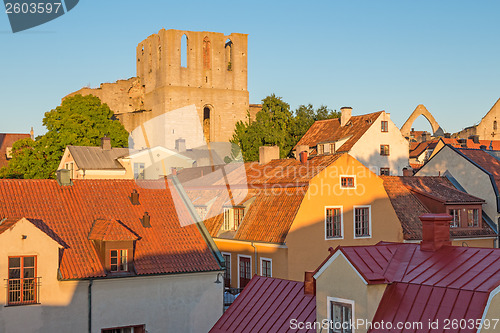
x=346, y=112
x=267, y=154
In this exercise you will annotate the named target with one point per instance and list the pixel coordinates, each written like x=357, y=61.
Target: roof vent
x=134, y=197
x=64, y=177
x=146, y=220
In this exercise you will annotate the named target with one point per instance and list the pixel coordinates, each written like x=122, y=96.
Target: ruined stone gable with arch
x=488, y=127
x=421, y=110
x=177, y=68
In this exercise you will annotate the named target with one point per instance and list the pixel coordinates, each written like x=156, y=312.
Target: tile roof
x=111, y=230
x=267, y=219
x=408, y=207
x=452, y=282
x=268, y=305
x=96, y=158
x=7, y=140
x=70, y=212
x=330, y=130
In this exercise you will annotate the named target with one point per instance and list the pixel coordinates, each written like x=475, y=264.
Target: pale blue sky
x=371, y=55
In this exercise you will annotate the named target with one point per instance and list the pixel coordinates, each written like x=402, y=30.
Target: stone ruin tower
x=178, y=68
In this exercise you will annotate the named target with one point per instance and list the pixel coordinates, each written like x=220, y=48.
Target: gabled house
x=426, y=287
x=414, y=196
x=387, y=287
x=279, y=216
x=106, y=256
x=373, y=139
x=476, y=171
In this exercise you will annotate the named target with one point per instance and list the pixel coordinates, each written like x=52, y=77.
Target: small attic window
x=233, y=216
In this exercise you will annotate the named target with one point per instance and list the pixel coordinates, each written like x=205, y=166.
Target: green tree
x=79, y=120
x=276, y=125
x=271, y=127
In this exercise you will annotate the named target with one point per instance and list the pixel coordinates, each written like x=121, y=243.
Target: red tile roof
x=408, y=207
x=7, y=140
x=69, y=212
x=330, y=130
x=267, y=219
x=268, y=305
x=423, y=286
x=111, y=230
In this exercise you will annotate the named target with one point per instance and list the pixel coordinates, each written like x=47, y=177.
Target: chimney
x=146, y=220
x=300, y=149
x=482, y=147
x=423, y=137
x=309, y=284
x=134, y=197
x=63, y=177
x=32, y=134
x=474, y=138
x=106, y=143
x=462, y=142
x=180, y=145
x=435, y=231
x=447, y=135
x=268, y=153
x=346, y=112
x=407, y=171
x=303, y=157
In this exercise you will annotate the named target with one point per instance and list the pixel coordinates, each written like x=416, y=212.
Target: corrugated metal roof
x=423, y=286
x=173, y=244
x=268, y=305
x=96, y=158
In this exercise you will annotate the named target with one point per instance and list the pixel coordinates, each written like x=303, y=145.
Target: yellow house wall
x=340, y=280
x=277, y=254
x=492, y=313
x=488, y=243
x=307, y=246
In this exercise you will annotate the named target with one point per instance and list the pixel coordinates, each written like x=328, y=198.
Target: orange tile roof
x=7, y=140
x=70, y=212
x=330, y=130
x=111, y=230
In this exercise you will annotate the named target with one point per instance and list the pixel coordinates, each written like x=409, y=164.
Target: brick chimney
x=299, y=150
x=268, y=153
x=106, y=143
x=303, y=157
x=309, y=284
x=346, y=112
x=435, y=231
x=408, y=171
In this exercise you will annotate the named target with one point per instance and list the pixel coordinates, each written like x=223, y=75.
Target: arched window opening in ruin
x=184, y=50
x=229, y=54
x=495, y=125
x=206, y=53
x=206, y=123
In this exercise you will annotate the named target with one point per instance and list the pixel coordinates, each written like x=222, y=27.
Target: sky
x=370, y=55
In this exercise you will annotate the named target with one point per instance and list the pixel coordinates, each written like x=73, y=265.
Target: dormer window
x=321, y=149
x=455, y=218
x=118, y=260
x=233, y=217
x=465, y=217
x=473, y=218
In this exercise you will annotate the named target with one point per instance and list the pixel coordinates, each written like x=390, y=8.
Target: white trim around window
x=238, y=270
x=329, y=301
x=341, y=223
x=347, y=187
x=369, y=221
x=270, y=261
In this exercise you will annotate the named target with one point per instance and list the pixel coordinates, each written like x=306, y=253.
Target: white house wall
x=367, y=148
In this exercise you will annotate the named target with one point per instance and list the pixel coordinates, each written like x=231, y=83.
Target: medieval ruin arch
x=420, y=110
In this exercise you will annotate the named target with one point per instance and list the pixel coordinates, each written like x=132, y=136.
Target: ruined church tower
x=178, y=68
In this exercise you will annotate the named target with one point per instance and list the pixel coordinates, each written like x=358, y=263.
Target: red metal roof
x=69, y=212
x=423, y=286
x=268, y=305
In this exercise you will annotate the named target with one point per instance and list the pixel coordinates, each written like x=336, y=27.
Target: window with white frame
x=266, y=267
x=473, y=217
x=455, y=218
x=333, y=222
x=233, y=216
x=340, y=315
x=362, y=221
